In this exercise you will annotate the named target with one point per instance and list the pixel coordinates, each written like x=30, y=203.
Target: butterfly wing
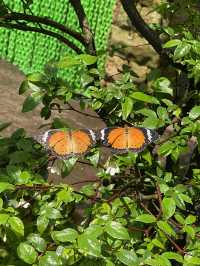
x=128, y=138
x=67, y=143
x=115, y=138
x=82, y=140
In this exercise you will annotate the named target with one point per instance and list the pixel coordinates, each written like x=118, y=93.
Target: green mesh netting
x=31, y=51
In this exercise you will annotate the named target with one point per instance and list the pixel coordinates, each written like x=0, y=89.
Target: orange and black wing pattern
x=124, y=139
x=68, y=143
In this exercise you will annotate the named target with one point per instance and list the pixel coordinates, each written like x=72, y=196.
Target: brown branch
x=59, y=37
x=83, y=22
x=43, y=20
x=138, y=22
x=150, y=35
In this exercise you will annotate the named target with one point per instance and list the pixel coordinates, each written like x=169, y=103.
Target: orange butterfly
x=67, y=143
x=124, y=139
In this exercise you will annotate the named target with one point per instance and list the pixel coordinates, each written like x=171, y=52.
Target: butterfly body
x=124, y=139
x=67, y=143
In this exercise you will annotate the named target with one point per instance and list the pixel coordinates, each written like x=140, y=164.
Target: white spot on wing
x=149, y=135
x=102, y=133
x=93, y=135
x=45, y=136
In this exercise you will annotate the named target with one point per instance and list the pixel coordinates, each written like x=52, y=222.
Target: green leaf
x=128, y=257
x=35, y=77
x=23, y=87
x=68, y=61
x=65, y=195
x=117, y=230
x=32, y=101
x=146, y=155
x=162, y=113
x=189, y=230
x=190, y=219
x=166, y=148
x=147, y=112
x=173, y=256
x=88, y=245
x=88, y=59
x=50, y=213
x=4, y=218
x=5, y=186
x=182, y=50
x=179, y=218
x=144, y=97
x=169, y=207
x=16, y=225
x=157, y=243
x=37, y=242
x=66, y=235
x=192, y=260
x=146, y=218
x=50, y=259
x=163, y=85
x=166, y=228
x=194, y=112
x=94, y=230
x=151, y=122
x=42, y=223
x=127, y=107
x=4, y=125
x=172, y=43
x=27, y=253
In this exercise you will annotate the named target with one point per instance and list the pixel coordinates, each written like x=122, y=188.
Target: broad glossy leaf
x=68, y=61
x=172, y=43
x=127, y=257
x=146, y=218
x=16, y=225
x=166, y=148
x=89, y=245
x=169, y=207
x=194, y=112
x=192, y=260
x=88, y=59
x=5, y=186
x=144, y=97
x=4, y=218
x=117, y=230
x=50, y=213
x=173, y=256
x=190, y=219
x=50, y=259
x=65, y=235
x=127, y=107
x=23, y=87
x=37, y=242
x=163, y=85
x=27, y=253
x=32, y=101
x=42, y=223
x=166, y=228
x=65, y=195
x=181, y=50
x=151, y=122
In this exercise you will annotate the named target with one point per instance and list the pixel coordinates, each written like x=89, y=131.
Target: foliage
x=143, y=209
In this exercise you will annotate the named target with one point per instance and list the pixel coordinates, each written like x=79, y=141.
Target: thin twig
x=83, y=22
x=59, y=37
x=43, y=20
